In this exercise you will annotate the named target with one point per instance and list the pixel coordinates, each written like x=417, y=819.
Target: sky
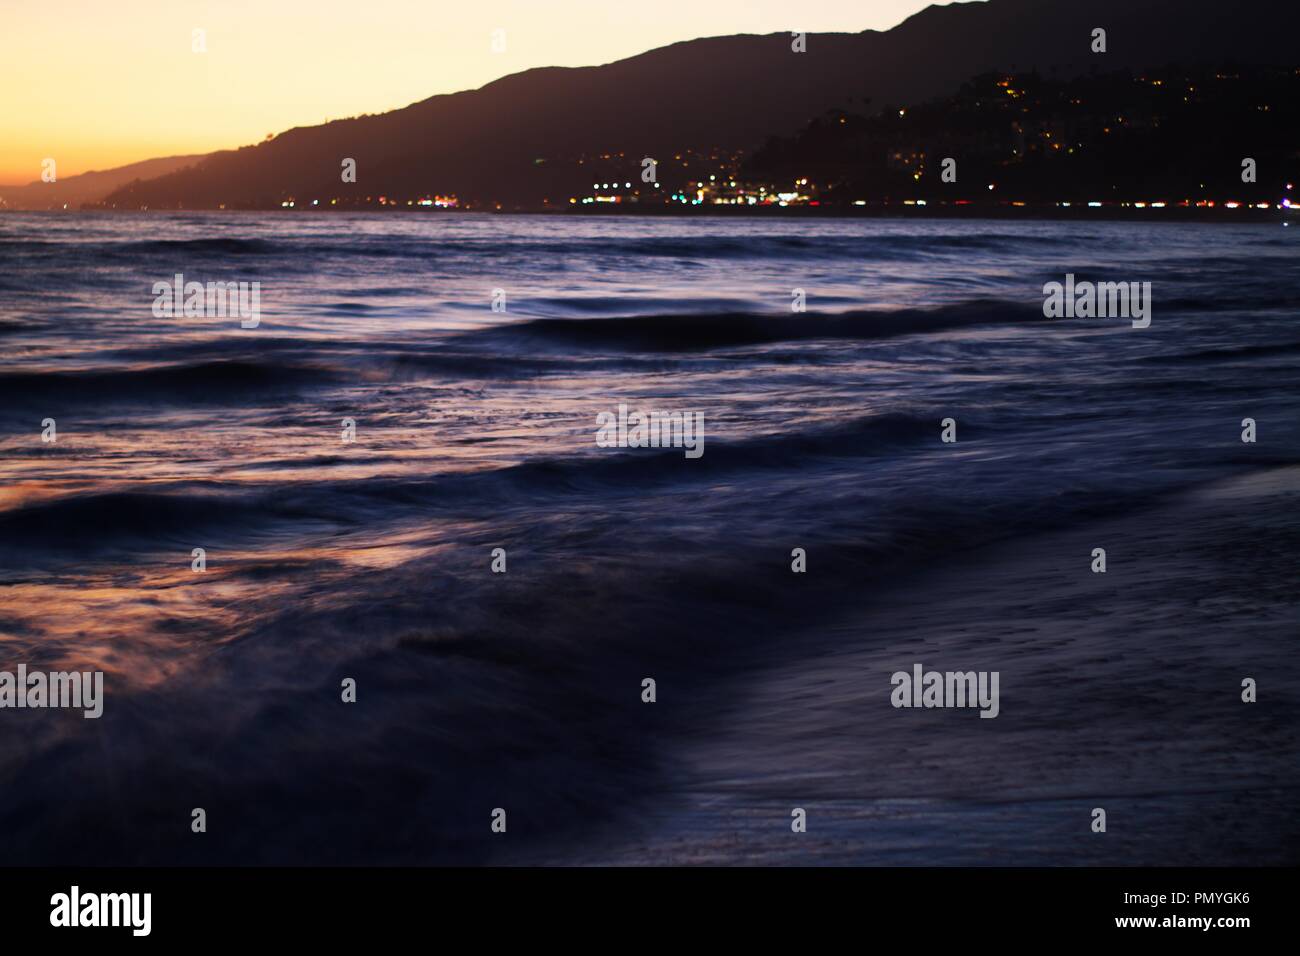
x=95, y=84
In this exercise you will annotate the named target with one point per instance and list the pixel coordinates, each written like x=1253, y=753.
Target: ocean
x=498, y=586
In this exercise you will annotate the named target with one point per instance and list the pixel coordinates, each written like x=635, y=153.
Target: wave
x=1241, y=297
x=106, y=518
x=231, y=512
x=867, y=436
x=540, y=670
x=220, y=245
x=887, y=248
x=708, y=331
x=1228, y=354
x=211, y=381
x=697, y=247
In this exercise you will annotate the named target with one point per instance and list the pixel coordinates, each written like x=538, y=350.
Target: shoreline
x=1119, y=691
x=1240, y=216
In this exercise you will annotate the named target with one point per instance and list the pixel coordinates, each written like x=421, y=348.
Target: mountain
x=1116, y=137
x=542, y=135
x=89, y=187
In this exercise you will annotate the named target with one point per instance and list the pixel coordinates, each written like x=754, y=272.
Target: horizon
x=225, y=97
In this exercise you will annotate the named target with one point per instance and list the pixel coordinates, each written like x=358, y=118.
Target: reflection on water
x=476, y=430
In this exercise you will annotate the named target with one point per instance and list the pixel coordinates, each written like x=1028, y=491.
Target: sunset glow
x=88, y=84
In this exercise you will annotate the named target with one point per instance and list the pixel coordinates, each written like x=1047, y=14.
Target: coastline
x=1240, y=216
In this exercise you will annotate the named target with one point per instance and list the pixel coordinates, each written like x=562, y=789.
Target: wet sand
x=1119, y=690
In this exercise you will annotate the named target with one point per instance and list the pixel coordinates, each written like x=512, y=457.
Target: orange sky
x=99, y=83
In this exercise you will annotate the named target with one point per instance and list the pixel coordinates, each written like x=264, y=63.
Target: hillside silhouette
x=534, y=138
x=90, y=186
x=1111, y=137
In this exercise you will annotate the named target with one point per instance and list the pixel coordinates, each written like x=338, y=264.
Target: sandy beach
x=1119, y=690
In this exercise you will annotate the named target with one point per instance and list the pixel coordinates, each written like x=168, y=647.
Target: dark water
x=476, y=429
